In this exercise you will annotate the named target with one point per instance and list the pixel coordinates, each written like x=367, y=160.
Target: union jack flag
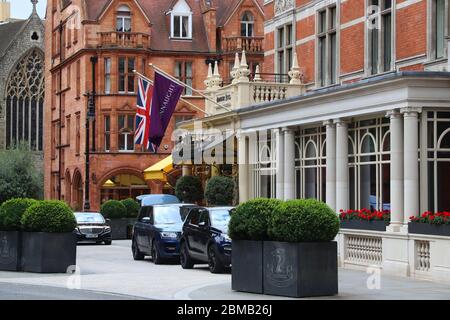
x=144, y=115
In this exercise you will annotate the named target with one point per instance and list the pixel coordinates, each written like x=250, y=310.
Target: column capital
x=394, y=114
x=329, y=123
x=411, y=111
x=341, y=122
x=288, y=129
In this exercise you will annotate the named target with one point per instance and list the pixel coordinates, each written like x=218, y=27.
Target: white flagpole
x=185, y=85
x=185, y=101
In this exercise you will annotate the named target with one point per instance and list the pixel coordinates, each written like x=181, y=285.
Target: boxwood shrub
x=250, y=219
x=303, y=221
x=219, y=191
x=113, y=209
x=49, y=216
x=189, y=189
x=11, y=213
x=132, y=207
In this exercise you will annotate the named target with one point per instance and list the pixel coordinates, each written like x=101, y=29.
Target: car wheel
x=156, y=255
x=185, y=259
x=137, y=255
x=108, y=242
x=214, y=263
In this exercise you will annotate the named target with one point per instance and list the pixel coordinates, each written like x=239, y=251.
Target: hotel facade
x=364, y=122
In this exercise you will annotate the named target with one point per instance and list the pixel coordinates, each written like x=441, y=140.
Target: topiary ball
x=303, y=221
x=113, y=209
x=49, y=216
x=219, y=191
x=189, y=189
x=250, y=220
x=132, y=207
x=11, y=213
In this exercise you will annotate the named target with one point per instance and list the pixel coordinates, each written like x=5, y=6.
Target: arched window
x=123, y=23
x=247, y=25
x=25, y=101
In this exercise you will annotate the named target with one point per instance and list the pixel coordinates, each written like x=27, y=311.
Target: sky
x=21, y=9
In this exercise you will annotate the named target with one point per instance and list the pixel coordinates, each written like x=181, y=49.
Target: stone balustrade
x=123, y=39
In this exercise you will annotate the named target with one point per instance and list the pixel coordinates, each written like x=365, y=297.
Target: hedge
x=303, y=221
x=250, y=220
x=113, y=209
x=132, y=207
x=11, y=213
x=49, y=216
x=189, y=189
x=219, y=191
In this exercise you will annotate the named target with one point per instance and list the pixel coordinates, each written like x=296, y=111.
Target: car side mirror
x=146, y=220
x=202, y=225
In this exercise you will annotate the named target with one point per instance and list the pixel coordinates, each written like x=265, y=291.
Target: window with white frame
x=369, y=164
x=183, y=72
x=181, y=21
x=247, y=25
x=126, y=75
x=107, y=75
x=126, y=132
x=123, y=20
x=327, y=46
x=263, y=172
x=379, y=36
x=439, y=25
x=285, y=47
x=107, y=133
x=310, y=164
x=438, y=160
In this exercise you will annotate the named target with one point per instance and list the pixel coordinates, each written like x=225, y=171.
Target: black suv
x=205, y=239
x=157, y=232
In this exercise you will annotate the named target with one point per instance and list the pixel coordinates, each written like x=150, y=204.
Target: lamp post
x=90, y=118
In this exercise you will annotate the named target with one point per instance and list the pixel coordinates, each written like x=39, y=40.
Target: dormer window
x=181, y=21
x=247, y=25
x=123, y=23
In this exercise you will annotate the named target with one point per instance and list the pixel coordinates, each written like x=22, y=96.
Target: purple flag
x=166, y=94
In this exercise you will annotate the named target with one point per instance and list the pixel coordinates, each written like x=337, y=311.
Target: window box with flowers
x=437, y=224
x=365, y=219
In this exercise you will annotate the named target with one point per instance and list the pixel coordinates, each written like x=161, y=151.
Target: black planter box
x=300, y=269
x=10, y=250
x=48, y=252
x=430, y=229
x=364, y=225
x=247, y=266
x=119, y=228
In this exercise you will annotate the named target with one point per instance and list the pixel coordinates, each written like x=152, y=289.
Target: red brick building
x=94, y=45
x=345, y=41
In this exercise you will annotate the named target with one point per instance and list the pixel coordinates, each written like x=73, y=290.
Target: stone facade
x=18, y=38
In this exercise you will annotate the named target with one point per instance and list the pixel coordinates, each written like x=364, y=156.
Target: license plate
x=91, y=236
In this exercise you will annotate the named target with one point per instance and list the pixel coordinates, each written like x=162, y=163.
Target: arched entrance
x=123, y=186
x=77, y=191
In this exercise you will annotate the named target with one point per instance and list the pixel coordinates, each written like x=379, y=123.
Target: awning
x=158, y=171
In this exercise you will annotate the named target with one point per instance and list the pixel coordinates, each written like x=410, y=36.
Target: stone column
x=331, y=165
x=289, y=164
x=187, y=170
x=280, y=163
x=342, y=172
x=411, y=163
x=396, y=128
x=243, y=163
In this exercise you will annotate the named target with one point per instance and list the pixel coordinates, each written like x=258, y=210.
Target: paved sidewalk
x=111, y=270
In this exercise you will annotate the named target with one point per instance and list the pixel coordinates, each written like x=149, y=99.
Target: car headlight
x=169, y=235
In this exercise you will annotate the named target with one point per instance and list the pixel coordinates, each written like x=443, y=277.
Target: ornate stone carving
x=283, y=5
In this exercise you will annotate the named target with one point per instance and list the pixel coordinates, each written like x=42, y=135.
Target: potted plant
x=301, y=259
x=132, y=207
x=189, y=189
x=49, y=244
x=116, y=213
x=248, y=229
x=365, y=219
x=11, y=213
x=430, y=223
x=219, y=191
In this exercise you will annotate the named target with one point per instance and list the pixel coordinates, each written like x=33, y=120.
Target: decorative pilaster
x=289, y=164
x=411, y=163
x=243, y=163
x=342, y=171
x=396, y=128
x=280, y=163
x=331, y=165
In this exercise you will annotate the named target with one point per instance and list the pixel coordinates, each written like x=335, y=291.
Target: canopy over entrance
x=159, y=170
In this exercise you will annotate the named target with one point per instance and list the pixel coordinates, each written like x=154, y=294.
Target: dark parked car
x=205, y=239
x=157, y=231
x=153, y=199
x=92, y=227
